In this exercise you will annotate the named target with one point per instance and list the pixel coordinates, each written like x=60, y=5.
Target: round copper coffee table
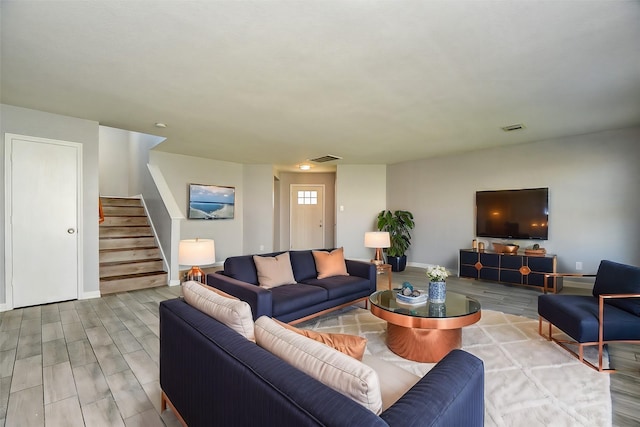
x=424, y=332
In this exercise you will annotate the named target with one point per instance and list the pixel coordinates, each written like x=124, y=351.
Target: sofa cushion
x=577, y=316
x=616, y=278
x=241, y=268
x=351, y=345
x=339, y=286
x=274, y=271
x=303, y=265
x=330, y=264
x=394, y=381
x=289, y=298
x=344, y=374
x=225, y=309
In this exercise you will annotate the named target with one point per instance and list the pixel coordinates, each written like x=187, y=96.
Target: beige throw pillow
x=330, y=263
x=274, y=271
x=342, y=373
x=228, y=310
x=351, y=345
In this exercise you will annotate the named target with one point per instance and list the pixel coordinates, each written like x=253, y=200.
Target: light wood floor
x=95, y=362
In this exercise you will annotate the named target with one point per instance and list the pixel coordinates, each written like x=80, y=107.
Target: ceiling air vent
x=517, y=126
x=327, y=158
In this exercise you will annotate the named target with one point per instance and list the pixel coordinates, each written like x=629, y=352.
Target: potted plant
x=399, y=224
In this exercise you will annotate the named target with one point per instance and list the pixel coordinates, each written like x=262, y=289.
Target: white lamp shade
x=377, y=239
x=196, y=252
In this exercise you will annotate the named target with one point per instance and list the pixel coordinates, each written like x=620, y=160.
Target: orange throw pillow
x=330, y=263
x=351, y=345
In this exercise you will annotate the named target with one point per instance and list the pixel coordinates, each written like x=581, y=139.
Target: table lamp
x=377, y=240
x=195, y=252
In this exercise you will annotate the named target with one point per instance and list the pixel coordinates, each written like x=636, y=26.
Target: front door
x=307, y=216
x=43, y=216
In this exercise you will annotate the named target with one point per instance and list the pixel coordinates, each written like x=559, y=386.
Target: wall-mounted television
x=211, y=201
x=513, y=214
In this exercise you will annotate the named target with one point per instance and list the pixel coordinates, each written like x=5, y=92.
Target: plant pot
x=398, y=263
x=437, y=292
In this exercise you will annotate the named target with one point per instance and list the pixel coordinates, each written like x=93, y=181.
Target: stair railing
x=100, y=211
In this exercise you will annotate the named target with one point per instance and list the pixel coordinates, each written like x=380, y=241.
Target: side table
x=384, y=268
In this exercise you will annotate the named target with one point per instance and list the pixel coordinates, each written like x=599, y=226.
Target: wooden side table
x=384, y=268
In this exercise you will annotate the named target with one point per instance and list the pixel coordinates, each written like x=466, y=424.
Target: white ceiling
x=372, y=81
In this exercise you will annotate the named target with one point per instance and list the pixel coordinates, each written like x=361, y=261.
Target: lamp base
x=378, y=260
x=196, y=274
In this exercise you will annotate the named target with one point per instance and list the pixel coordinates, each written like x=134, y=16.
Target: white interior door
x=43, y=216
x=307, y=216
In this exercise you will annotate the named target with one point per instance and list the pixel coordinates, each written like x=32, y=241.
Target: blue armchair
x=611, y=314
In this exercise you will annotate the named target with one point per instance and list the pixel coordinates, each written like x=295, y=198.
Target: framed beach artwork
x=211, y=201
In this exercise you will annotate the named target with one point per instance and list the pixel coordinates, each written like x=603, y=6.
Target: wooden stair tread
x=130, y=257
x=133, y=261
x=131, y=276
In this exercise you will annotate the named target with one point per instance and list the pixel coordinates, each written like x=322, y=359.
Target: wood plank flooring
x=95, y=362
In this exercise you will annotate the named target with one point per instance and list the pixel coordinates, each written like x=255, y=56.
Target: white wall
x=179, y=171
x=361, y=192
x=123, y=156
x=24, y=121
x=258, y=209
x=594, y=197
x=113, y=161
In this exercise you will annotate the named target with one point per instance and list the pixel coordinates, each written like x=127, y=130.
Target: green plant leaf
x=398, y=224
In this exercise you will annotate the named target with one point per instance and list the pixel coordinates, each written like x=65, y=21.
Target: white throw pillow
x=274, y=271
x=231, y=311
x=342, y=373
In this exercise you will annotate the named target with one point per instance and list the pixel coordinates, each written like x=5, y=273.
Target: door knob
x=71, y=230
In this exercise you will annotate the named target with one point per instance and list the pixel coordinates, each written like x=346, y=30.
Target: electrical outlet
x=578, y=265
x=262, y=247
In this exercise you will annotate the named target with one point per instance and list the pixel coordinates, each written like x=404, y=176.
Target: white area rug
x=529, y=381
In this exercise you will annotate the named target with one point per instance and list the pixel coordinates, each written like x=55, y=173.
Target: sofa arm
x=362, y=269
x=259, y=299
x=451, y=394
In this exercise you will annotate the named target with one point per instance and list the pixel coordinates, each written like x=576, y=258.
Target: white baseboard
x=90, y=295
x=174, y=282
x=5, y=307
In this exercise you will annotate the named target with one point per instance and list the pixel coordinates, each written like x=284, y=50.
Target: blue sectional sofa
x=212, y=376
x=295, y=303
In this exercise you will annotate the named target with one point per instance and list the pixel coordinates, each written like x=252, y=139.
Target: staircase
x=129, y=255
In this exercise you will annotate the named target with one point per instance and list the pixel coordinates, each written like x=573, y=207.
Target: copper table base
x=416, y=332
x=422, y=345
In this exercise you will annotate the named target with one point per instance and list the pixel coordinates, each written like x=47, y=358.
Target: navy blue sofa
x=611, y=313
x=295, y=303
x=212, y=376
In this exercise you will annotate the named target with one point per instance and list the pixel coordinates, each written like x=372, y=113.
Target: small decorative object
x=481, y=246
x=474, y=244
x=408, y=295
x=535, y=250
x=437, y=285
x=407, y=289
x=505, y=248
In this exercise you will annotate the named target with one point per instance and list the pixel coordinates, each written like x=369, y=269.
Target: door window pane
x=307, y=197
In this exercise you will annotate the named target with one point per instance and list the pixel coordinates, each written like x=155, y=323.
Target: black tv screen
x=513, y=214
